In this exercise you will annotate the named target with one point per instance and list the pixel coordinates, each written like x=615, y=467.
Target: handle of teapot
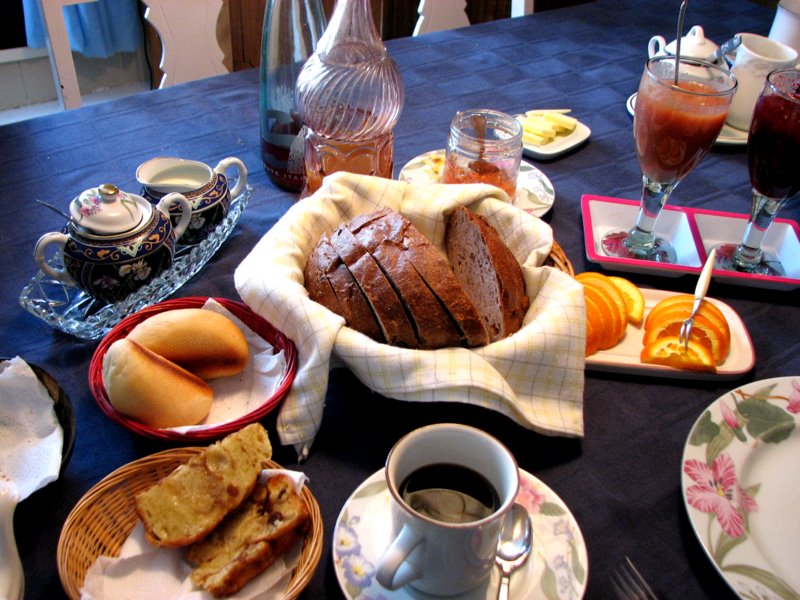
x=241, y=180
x=59, y=240
x=656, y=45
x=186, y=211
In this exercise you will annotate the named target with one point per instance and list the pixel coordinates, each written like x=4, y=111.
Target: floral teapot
x=114, y=242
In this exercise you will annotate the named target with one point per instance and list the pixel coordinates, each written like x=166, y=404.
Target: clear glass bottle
x=350, y=95
x=291, y=31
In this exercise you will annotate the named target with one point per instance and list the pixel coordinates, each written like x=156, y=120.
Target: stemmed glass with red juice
x=773, y=146
x=676, y=121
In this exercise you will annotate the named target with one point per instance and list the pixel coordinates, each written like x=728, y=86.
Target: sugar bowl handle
x=186, y=211
x=241, y=179
x=58, y=240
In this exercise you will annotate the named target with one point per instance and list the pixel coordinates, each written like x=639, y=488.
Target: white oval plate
x=739, y=481
x=535, y=193
x=560, y=145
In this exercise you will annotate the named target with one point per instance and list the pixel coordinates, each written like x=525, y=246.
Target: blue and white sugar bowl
x=207, y=190
x=114, y=242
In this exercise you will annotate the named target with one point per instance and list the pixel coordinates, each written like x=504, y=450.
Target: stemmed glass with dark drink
x=678, y=117
x=773, y=148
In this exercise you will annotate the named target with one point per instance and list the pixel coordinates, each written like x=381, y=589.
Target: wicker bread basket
x=256, y=323
x=103, y=519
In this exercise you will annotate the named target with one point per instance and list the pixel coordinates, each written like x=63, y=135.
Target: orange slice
x=592, y=331
x=670, y=351
x=686, y=301
x=612, y=293
x=681, y=311
x=634, y=300
x=703, y=330
x=603, y=312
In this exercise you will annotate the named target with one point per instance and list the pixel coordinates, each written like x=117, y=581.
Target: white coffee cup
x=755, y=59
x=786, y=25
x=427, y=552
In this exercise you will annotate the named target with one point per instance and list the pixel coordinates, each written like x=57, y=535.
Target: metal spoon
x=514, y=546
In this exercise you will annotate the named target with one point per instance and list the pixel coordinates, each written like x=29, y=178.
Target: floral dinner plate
x=740, y=486
x=557, y=568
x=535, y=193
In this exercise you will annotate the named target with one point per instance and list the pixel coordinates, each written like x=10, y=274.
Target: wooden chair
x=438, y=15
x=188, y=33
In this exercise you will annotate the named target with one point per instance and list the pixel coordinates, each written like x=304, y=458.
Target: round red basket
x=259, y=325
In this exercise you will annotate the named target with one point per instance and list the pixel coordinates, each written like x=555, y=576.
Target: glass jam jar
x=485, y=146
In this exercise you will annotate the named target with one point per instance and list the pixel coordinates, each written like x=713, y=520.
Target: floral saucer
x=557, y=568
x=535, y=193
x=739, y=479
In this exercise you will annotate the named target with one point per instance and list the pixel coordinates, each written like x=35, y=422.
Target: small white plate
x=535, y=193
x=363, y=531
x=729, y=136
x=560, y=145
x=739, y=482
x=624, y=357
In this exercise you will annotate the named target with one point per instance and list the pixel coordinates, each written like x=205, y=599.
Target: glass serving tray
x=73, y=311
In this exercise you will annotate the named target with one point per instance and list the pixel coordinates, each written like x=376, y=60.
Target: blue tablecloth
x=622, y=480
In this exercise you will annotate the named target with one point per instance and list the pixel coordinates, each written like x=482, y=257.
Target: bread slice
x=384, y=234
x=202, y=341
x=250, y=539
x=436, y=271
x=488, y=271
x=191, y=501
x=152, y=390
x=379, y=291
x=324, y=267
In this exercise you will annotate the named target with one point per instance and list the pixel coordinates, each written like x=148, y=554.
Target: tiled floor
x=35, y=110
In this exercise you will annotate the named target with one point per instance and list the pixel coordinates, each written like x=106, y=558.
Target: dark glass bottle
x=291, y=31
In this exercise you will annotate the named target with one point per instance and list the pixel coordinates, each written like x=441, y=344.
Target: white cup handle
x=393, y=572
x=59, y=240
x=656, y=46
x=241, y=180
x=186, y=211
x=12, y=578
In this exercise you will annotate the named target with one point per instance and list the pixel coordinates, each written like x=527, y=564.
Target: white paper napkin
x=238, y=395
x=31, y=438
x=535, y=376
x=146, y=572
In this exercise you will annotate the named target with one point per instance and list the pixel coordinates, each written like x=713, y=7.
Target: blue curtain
x=96, y=29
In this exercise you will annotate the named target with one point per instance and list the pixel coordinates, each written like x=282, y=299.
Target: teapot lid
x=106, y=210
x=694, y=44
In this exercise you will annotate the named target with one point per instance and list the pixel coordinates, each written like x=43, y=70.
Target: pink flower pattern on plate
x=717, y=491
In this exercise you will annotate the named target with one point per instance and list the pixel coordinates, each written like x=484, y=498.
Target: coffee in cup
x=450, y=487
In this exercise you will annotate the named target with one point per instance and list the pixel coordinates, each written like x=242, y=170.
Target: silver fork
x=629, y=583
x=699, y=293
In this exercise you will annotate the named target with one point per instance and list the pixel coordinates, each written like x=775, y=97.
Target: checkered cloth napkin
x=534, y=377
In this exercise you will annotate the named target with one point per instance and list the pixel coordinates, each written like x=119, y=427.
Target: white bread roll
x=150, y=389
x=201, y=341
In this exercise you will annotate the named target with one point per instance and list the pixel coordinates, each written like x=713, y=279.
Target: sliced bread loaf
x=438, y=275
x=385, y=234
x=329, y=282
x=379, y=291
x=488, y=271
